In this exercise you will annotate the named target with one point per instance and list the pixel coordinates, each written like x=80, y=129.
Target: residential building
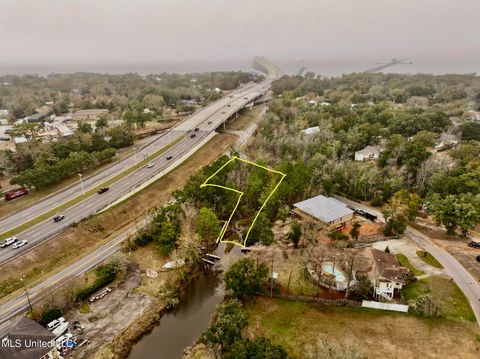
x=368, y=153
x=24, y=338
x=38, y=117
x=325, y=211
x=91, y=114
x=387, y=275
x=311, y=130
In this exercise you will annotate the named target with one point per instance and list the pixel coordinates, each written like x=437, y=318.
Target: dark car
x=474, y=244
x=169, y=158
x=209, y=122
x=229, y=105
x=103, y=190
x=365, y=214
x=196, y=129
x=58, y=218
x=192, y=135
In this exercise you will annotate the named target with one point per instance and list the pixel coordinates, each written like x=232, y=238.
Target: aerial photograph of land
x=226, y=179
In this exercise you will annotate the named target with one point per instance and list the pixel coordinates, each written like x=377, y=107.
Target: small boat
x=213, y=256
x=208, y=261
x=60, y=329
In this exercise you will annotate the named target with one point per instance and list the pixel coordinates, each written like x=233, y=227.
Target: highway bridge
x=185, y=136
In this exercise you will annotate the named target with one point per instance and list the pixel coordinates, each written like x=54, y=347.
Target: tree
x=425, y=307
x=229, y=321
x=167, y=239
x=295, y=234
x=395, y=223
x=208, y=225
x=355, y=230
x=257, y=348
x=244, y=278
x=456, y=211
x=470, y=131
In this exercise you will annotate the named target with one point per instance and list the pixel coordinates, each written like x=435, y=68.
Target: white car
x=150, y=165
x=55, y=323
x=20, y=244
x=8, y=241
x=60, y=341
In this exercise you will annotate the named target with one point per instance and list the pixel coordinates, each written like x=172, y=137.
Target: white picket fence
x=385, y=306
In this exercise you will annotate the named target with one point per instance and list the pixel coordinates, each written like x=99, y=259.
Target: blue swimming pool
x=339, y=276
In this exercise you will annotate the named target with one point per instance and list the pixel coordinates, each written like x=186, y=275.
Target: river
x=181, y=328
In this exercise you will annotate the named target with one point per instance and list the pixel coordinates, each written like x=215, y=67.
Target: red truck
x=15, y=193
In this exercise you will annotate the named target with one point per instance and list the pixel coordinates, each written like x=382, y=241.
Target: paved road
x=206, y=121
x=465, y=281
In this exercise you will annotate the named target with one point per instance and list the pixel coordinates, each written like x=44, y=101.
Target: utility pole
x=26, y=292
x=81, y=183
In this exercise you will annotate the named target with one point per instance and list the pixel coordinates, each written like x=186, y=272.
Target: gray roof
x=370, y=149
x=326, y=209
x=25, y=330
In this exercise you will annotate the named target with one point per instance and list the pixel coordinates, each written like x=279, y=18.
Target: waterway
x=181, y=328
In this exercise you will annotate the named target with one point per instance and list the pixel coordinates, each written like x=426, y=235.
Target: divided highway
x=189, y=133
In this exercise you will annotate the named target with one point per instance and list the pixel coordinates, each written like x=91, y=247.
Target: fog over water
x=326, y=36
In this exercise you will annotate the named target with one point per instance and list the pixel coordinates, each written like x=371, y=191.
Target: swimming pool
x=328, y=268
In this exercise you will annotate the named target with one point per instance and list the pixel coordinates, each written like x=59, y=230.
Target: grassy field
x=57, y=253
x=429, y=259
x=452, y=302
x=403, y=260
x=297, y=327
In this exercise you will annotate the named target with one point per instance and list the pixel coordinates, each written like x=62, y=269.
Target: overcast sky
x=165, y=31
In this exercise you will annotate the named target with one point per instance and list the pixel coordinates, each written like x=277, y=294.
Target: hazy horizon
x=328, y=36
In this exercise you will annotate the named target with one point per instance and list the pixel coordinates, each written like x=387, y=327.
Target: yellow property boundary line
x=225, y=226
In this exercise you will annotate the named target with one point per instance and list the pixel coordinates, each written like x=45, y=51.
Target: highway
x=465, y=281
x=205, y=121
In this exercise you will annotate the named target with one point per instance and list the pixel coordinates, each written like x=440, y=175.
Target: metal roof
x=326, y=209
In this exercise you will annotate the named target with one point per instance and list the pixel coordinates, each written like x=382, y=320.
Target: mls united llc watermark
x=26, y=343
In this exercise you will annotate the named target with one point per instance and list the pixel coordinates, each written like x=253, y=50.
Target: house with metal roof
x=326, y=211
x=368, y=153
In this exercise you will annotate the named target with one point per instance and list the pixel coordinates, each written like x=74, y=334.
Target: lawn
x=298, y=326
x=429, y=259
x=452, y=302
x=404, y=262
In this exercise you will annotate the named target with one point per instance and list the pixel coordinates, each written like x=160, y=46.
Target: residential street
x=465, y=281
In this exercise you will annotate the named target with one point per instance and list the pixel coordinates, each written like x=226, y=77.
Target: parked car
x=150, y=165
x=8, y=241
x=103, y=190
x=58, y=218
x=365, y=214
x=169, y=158
x=20, y=244
x=55, y=323
x=474, y=244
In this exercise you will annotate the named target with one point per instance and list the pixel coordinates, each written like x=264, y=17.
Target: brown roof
x=26, y=332
x=388, y=267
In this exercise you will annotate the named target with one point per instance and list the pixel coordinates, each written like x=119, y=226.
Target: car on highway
x=20, y=244
x=103, y=190
x=209, y=122
x=169, y=158
x=196, y=129
x=192, y=135
x=58, y=218
x=150, y=165
x=8, y=241
x=229, y=105
x=474, y=244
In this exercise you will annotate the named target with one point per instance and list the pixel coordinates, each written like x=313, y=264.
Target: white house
x=326, y=211
x=387, y=275
x=368, y=153
x=311, y=130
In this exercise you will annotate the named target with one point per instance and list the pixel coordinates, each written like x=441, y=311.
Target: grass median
x=87, y=194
